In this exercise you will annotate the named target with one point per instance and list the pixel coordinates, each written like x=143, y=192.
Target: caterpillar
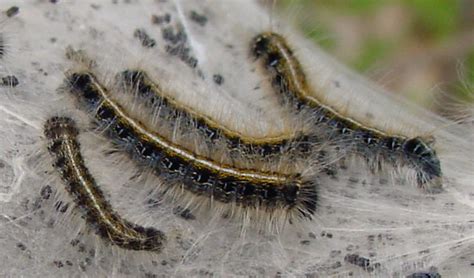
x=64, y=147
x=295, y=145
x=289, y=80
x=181, y=168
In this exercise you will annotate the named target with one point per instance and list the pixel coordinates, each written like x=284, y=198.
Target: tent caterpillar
x=64, y=147
x=290, y=81
x=181, y=168
x=238, y=144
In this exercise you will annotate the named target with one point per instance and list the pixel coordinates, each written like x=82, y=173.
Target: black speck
x=54, y=1
x=21, y=246
x=183, y=54
x=180, y=51
x=360, y=261
x=64, y=208
x=60, y=207
x=144, y=38
x=424, y=275
x=58, y=264
x=12, y=11
x=155, y=19
x=198, y=18
x=328, y=235
x=218, y=79
x=174, y=36
x=10, y=80
x=46, y=192
x=177, y=38
x=305, y=242
x=74, y=242
x=69, y=263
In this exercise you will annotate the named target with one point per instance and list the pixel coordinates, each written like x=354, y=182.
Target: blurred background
x=422, y=49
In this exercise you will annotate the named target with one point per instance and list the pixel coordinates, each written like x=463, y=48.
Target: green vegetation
x=435, y=19
x=372, y=51
x=385, y=34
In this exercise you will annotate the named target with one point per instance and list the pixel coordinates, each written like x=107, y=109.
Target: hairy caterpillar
x=239, y=144
x=373, y=144
x=182, y=168
x=64, y=147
